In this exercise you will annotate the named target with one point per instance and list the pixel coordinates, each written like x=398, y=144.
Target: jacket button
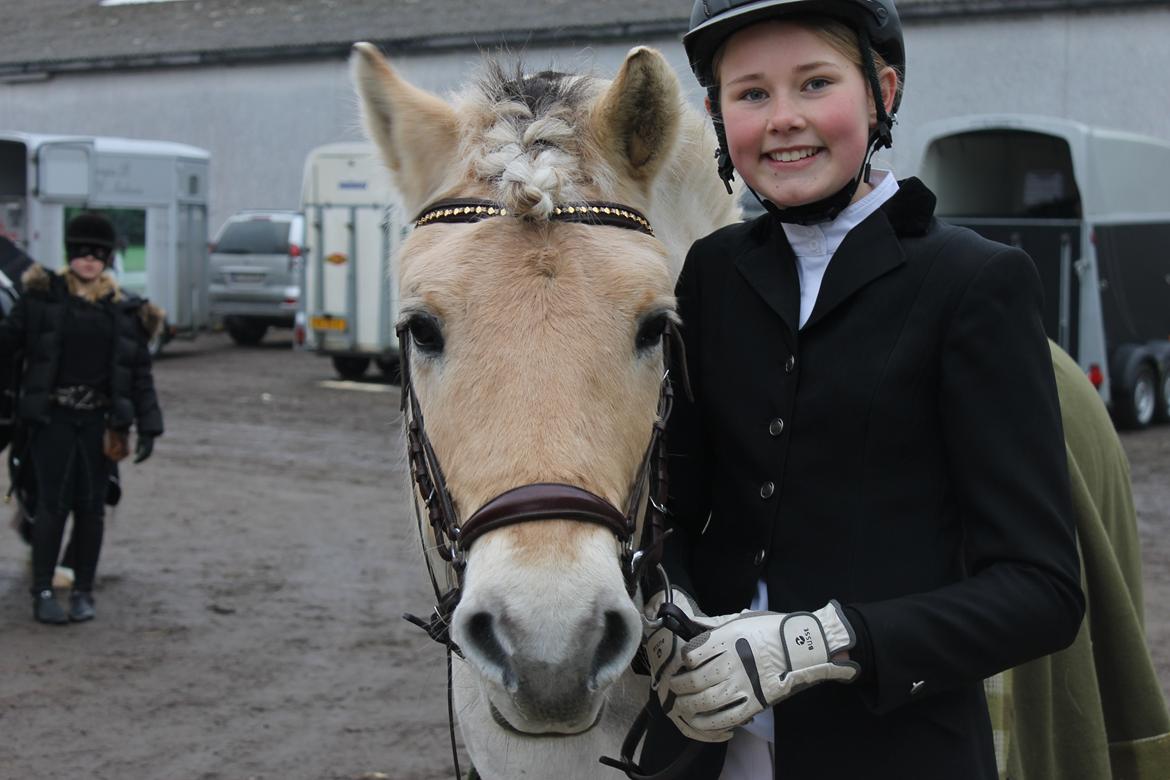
x=759, y=558
x=791, y=364
x=767, y=489
x=776, y=427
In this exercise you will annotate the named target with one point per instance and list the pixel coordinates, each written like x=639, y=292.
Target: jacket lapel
x=869, y=251
x=770, y=269
x=874, y=248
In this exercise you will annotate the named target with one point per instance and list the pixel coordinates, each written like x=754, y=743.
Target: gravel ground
x=251, y=590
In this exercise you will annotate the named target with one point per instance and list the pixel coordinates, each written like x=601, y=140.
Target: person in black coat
x=873, y=463
x=86, y=379
x=13, y=263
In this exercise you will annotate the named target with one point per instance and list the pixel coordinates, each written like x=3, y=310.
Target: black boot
x=47, y=610
x=81, y=606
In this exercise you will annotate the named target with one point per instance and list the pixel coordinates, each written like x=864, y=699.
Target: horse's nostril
x=482, y=644
x=610, y=658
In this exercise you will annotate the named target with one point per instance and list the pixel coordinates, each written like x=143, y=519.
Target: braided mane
x=529, y=140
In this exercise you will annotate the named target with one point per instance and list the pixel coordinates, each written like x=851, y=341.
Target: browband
x=593, y=212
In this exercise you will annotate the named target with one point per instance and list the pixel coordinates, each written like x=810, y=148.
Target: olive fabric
x=1094, y=711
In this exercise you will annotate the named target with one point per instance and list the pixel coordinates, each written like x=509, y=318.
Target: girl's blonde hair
x=836, y=34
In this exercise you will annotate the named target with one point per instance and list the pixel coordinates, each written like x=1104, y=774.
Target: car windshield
x=255, y=237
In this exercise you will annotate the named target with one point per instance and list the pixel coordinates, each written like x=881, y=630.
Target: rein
x=541, y=500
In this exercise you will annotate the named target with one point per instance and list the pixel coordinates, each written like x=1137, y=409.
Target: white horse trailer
x=155, y=192
x=1092, y=208
x=353, y=226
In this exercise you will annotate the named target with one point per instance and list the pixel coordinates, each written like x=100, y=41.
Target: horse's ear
x=416, y=131
x=637, y=120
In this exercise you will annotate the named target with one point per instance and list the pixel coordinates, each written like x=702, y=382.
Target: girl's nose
x=784, y=117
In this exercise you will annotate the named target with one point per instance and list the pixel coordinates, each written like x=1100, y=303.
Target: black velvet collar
x=911, y=208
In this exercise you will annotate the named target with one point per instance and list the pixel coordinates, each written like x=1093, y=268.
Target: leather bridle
x=453, y=537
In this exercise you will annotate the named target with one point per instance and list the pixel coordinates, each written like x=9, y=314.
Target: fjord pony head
x=536, y=345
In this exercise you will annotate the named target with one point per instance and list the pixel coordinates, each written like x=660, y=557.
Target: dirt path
x=251, y=587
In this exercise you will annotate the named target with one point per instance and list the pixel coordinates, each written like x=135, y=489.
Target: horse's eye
x=650, y=331
x=426, y=333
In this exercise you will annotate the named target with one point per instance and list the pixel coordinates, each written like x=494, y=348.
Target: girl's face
x=797, y=112
x=87, y=268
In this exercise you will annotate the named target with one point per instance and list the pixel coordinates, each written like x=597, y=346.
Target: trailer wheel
x=391, y=369
x=349, y=367
x=1162, y=404
x=1136, y=406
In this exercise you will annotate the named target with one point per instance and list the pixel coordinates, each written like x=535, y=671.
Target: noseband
x=539, y=500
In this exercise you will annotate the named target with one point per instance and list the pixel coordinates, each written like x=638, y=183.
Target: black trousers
x=71, y=474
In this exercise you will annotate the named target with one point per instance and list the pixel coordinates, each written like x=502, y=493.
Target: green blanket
x=1094, y=711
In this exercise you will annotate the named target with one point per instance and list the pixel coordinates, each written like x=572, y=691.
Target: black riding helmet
x=877, y=25
x=90, y=234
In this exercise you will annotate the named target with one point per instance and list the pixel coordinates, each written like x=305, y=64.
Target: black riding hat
x=878, y=27
x=90, y=228
x=91, y=231
x=714, y=21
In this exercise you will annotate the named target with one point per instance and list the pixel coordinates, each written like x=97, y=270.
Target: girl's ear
x=888, y=81
x=707, y=104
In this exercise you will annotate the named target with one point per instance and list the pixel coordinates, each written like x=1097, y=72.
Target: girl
x=87, y=378
x=873, y=460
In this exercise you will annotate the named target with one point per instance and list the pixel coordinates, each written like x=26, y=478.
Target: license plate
x=328, y=323
x=247, y=278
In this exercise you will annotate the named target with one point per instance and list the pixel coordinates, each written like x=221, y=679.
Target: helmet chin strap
x=825, y=209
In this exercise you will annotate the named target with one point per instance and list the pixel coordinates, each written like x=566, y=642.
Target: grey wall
x=260, y=121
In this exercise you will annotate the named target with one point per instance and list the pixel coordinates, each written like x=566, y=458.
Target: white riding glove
x=664, y=650
x=752, y=661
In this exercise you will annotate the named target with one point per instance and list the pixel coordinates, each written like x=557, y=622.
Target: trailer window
x=1004, y=174
x=254, y=236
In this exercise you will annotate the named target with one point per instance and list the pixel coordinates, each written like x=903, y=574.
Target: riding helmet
x=91, y=230
x=878, y=27
x=714, y=21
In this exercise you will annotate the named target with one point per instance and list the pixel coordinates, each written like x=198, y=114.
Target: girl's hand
x=144, y=447
x=730, y=674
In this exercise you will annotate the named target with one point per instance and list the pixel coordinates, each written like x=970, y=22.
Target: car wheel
x=350, y=367
x=246, y=333
x=390, y=368
x=1135, y=406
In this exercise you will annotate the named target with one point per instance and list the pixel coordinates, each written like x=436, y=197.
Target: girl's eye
x=753, y=95
x=816, y=84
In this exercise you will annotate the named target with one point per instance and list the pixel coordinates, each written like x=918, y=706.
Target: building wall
x=260, y=121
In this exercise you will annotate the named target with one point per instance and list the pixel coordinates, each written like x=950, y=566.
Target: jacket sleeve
x=689, y=501
x=147, y=413
x=1004, y=443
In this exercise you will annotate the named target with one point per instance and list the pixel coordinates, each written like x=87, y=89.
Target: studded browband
x=591, y=212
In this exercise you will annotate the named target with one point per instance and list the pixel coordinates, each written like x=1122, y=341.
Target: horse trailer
x=155, y=193
x=353, y=226
x=1092, y=208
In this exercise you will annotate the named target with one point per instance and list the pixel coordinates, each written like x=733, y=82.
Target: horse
x=555, y=213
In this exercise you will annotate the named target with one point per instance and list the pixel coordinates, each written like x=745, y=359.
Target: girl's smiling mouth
x=793, y=155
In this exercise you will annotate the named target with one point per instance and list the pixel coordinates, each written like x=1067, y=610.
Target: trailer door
x=1018, y=187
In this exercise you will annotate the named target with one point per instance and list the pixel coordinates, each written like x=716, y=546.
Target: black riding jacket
x=36, y=325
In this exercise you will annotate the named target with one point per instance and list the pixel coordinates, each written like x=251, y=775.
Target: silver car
x=255, y=272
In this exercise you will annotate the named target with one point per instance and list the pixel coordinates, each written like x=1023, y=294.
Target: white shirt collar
x=825, y=238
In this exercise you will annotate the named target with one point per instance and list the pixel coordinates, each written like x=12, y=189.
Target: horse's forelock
x=531, y=144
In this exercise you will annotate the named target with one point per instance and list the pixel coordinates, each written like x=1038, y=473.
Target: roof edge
x=37, y=70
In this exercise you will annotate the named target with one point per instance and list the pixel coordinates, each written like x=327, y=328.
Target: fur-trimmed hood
x=38, y=279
